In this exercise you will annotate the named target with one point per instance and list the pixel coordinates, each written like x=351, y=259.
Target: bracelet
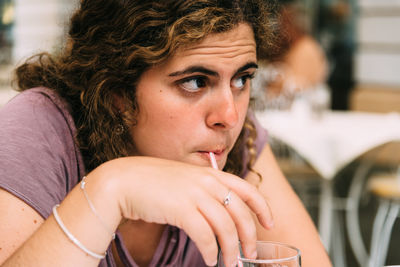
x=73, y=239
x=83, y=183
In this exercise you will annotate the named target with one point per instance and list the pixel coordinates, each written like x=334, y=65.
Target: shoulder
x=37, y=116
x=39, y=160
x=36, y=106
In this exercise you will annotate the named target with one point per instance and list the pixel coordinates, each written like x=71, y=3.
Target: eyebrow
x=201, y=69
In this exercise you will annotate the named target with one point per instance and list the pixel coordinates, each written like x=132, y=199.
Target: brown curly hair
x=112, y=42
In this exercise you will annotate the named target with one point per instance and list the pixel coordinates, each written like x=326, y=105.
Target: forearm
x=49, y=245
x=293, y=225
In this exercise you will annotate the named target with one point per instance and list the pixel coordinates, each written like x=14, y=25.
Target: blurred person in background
x=335, y=28
x=300, y=68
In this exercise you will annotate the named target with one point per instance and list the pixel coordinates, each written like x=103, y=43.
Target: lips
x=219, y=154
x=215, y=151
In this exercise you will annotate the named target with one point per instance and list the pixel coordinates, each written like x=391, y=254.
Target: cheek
x=173, y=117
x=162, y=129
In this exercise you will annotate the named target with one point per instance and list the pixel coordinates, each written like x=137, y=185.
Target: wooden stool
x=387, y=188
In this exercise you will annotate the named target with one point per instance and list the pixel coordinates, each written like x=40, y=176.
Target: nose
x=223, y=112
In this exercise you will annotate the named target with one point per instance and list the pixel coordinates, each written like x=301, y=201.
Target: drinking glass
x=270, y=254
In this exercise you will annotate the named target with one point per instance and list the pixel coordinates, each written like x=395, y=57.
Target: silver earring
x=119, y=129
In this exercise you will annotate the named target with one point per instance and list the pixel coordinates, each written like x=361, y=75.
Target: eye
x=193, y=84
x=241, y=81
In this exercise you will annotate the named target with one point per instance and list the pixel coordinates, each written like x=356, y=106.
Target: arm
x=292, y=222
x=18, y=222
x=43, y=243
x=149, y=189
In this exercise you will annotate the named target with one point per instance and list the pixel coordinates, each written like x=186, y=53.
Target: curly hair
x=111, y=43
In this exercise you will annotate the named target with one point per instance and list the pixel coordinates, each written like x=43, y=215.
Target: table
x=328, y=143
x=334, y=140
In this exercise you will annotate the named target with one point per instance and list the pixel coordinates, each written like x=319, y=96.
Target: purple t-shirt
x=40, y=163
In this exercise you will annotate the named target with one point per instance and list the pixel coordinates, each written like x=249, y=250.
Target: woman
x=142, y=93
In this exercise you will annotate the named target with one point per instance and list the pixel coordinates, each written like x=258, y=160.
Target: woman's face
x=196, y=102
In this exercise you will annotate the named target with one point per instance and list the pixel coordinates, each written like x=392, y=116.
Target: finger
x=201, y=233
x=261, y=209
x=250, y=195
x=244, y=223
x=223, y=226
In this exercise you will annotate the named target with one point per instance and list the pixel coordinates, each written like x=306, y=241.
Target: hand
x=191, y=198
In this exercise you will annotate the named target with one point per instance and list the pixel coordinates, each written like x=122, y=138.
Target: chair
x=387, y=188
x=366, y=179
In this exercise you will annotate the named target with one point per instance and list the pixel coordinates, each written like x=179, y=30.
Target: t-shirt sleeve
x=37, y=152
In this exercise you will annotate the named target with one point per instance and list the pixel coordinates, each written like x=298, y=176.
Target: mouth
x=219, y=154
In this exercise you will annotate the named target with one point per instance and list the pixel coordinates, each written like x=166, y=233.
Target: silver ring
x=227, y=199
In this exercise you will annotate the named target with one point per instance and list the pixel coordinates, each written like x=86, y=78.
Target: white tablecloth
x=335, y=139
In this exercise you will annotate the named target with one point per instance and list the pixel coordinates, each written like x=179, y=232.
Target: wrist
x=104, y=194
x=79, y=220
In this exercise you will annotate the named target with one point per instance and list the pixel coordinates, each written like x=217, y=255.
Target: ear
x=118, y=103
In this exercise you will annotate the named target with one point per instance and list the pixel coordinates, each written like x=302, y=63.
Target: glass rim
x=280, y=260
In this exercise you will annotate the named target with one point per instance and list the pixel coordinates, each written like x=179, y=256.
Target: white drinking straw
x=215, y=166
x=213, y=160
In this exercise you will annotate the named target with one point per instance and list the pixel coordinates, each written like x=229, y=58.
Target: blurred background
x=337, y=56
x=28, y=27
